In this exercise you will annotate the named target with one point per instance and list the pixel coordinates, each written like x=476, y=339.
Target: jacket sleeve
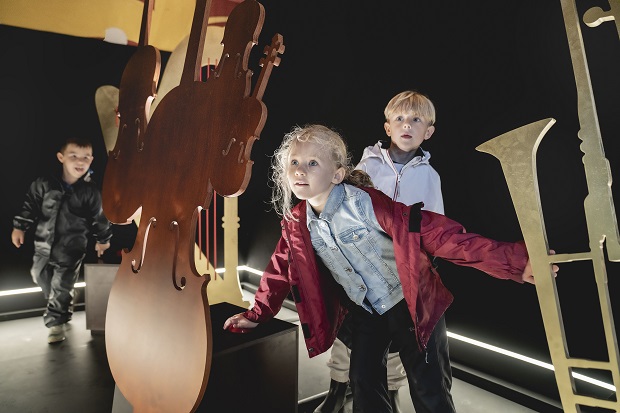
x=433, y=199
x=101, y=227
x=447, y=239
x=31, y=208
x=274, y=286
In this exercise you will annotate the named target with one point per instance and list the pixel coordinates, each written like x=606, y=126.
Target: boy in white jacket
x=402, y=171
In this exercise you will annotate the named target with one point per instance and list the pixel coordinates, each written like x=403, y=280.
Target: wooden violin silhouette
x=158, y=326
x=233, y=139
x=137, y=90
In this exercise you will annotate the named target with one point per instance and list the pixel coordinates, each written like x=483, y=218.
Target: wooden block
x=99, y=279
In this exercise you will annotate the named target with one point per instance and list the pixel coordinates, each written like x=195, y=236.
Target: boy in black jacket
x=65, y=211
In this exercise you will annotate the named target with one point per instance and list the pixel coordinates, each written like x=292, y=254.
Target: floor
x=74, y=377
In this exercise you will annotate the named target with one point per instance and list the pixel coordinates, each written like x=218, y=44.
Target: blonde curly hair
x=331, y=142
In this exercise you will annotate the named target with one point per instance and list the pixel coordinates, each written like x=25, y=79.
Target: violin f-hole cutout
x=153, y=223
x=116, y=153
x=241, y=148
x=238, y=70
x=219, y=69
x=230, y=142
x=139, y=142
x=174, y=226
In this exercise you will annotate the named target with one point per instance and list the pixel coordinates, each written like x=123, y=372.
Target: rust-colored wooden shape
x=158, y=326
x=121, y=193
x=237, y=118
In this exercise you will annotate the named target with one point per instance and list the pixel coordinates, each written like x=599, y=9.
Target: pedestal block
x=98, y=279
x=254, y=371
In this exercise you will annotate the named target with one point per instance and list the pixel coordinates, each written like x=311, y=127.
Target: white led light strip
x=33, y=290
x=528, y=360
x=451, y=335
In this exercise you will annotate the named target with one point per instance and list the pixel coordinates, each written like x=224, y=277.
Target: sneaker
x=56, y=334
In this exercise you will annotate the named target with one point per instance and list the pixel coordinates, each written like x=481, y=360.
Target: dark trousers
x=429, y=373
x=56, y=282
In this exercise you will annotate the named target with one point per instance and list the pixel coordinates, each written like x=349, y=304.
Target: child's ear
x=388, y=132
x=339, y=175
x=429, y=132
x=60, y=157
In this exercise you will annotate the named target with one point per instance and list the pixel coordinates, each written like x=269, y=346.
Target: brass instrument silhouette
x=516, y=151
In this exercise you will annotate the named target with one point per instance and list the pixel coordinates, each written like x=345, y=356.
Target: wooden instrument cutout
x=106, y=102
x=126, y=163
x=158, y=326
x=218, y=16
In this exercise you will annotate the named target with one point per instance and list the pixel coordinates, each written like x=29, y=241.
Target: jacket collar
x=334, y=200
x=380, y=150
x=419, y=156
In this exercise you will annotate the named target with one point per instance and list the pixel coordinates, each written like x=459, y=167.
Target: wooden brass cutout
x=516, y=151
x=158, y=326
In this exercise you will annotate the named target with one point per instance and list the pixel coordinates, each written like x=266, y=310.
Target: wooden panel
x=99, y=279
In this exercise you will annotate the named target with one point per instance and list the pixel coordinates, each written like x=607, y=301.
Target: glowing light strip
x=32, y=290
x=249, y=269
x=459, y=337
x=528, y=360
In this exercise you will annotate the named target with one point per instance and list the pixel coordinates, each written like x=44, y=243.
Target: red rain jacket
x=416, y=233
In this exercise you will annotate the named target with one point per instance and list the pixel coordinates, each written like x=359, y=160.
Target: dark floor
x=68, y=377
x=73, y=376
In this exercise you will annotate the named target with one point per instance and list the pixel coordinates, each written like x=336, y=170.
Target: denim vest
x=359, y=254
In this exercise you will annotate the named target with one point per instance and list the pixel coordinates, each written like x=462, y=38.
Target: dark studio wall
x=488, y=66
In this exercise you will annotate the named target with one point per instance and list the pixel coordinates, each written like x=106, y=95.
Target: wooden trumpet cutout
x=516, y=151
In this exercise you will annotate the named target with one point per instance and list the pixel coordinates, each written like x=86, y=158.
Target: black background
x=488, y=66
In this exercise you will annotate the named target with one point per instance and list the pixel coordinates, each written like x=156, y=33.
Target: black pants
x=56, y=282
x=429, y=373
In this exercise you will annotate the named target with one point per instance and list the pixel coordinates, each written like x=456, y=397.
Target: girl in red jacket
x=347, y=248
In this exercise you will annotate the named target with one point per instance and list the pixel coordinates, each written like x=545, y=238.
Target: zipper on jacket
x=293, y=263
x=424, y=347
x=397, y=186
x=398, y=176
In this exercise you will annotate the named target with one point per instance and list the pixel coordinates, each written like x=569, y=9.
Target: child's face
x=75, y=162
x=408, y=130
x=312, y=174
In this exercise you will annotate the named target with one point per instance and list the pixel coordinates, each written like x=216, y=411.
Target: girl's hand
x=239, y=321
x=528, y=274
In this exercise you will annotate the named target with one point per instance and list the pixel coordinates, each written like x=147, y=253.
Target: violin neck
x=195, y=46
x=270, y=60
x=145, y=27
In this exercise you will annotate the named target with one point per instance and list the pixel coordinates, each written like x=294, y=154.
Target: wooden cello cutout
x=158, y=326
x=125, y=162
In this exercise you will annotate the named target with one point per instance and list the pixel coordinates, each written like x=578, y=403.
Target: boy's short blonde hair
x=411, y=101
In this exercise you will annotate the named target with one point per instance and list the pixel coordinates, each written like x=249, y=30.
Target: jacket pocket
x=353, y=235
